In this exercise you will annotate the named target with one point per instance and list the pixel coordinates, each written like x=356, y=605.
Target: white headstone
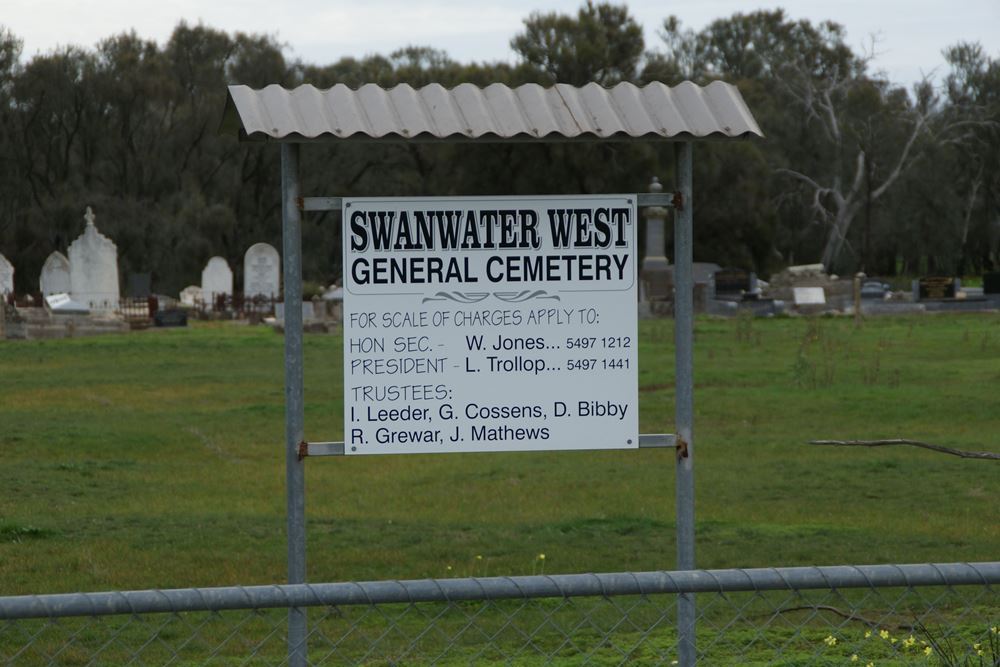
x=190, y=295
x=93, y=269
x=62, y=303
x=55, y=278
x=261, y=271
x=216, y=278
x=6, y=276
x=809, y=296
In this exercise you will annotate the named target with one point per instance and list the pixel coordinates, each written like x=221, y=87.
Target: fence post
x=291, y=224
x=684, y=392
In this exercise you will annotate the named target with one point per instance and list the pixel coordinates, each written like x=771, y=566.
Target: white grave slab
x=809, y=296
x=63, y=303
x=55, y=277
x=489, y=324
x=6, y=276
x=191, y=295
x=261, y=271
x=216, y=278
x=93, y=269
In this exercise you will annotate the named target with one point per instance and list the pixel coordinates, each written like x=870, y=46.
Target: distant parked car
x=873, y=289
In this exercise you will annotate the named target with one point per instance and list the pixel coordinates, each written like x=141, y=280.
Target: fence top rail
x=498, y=588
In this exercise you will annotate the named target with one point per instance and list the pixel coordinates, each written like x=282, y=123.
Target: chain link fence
x=942, y=614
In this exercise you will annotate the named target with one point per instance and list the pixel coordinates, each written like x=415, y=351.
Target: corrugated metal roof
x=495, y=113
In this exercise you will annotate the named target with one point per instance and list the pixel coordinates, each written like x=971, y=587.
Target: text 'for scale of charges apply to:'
x=480, y=324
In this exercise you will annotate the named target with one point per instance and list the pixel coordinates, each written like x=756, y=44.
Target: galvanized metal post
x=684, y=392
x=291, y=229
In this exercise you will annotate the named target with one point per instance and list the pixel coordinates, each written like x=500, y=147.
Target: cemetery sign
x=479, y=324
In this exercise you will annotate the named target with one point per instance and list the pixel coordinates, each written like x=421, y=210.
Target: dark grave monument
x=937, y=287
x=733, y=284
x=991, y=283
x=139, y=285
x=172, y=317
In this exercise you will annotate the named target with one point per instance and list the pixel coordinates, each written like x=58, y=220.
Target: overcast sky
x=911, y=33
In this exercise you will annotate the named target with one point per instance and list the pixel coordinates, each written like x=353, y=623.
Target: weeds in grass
x=878, y=645
x=870, y=373
x=744, y=327
x=17, y=534
x=804, y=371
x=982, y=653
x=809, y=374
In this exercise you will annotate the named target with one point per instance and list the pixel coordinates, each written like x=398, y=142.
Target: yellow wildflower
x=870, y=664
x=830, y=640
x=977, y=646
x=541, y=556
x=928, y=651
x=909, y=641
x=854, y=657
x=884, y=634
x=868, y=633
x=479, y=556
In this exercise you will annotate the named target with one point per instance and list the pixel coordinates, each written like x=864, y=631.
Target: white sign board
x=488, y=324
x=809, y=296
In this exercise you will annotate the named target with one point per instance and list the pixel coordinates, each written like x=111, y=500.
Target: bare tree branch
x=961, y=453
x=850, y=616
x=901, y=163
x=859, y=173
x=802, y=177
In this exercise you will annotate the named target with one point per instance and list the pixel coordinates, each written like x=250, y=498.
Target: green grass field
x=156, y=460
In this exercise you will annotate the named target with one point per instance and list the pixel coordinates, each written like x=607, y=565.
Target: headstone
x=836, y=291
x=733, y=283
x=172, y=317
x=216, y=279
x=806, y=270
x=139, y=285
x=55, y=278
x=93, y=269
x=657, y=281
x=190, y=295
x=991, y=283
x=809, y=296
x=63, y=303
x=937, y=287
x=6, y=276
x=261, y=271
x=704, y=272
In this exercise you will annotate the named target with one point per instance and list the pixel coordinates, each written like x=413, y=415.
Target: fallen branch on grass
x=850, y=616
x=915, y=443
